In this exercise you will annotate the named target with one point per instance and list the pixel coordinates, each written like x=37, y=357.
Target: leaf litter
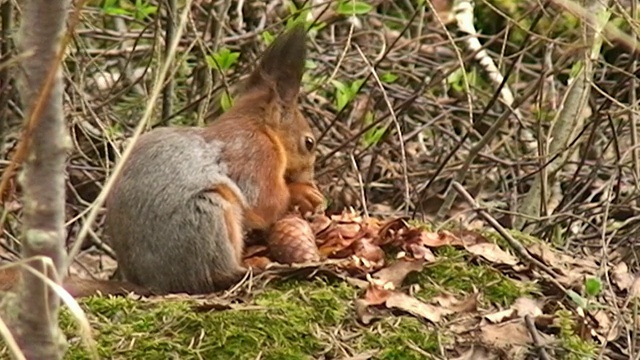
x=378, y=256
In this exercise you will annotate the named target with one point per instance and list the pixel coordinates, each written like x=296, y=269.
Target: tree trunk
x=34, y=323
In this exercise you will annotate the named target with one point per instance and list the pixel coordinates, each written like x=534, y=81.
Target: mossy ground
x=290, y=319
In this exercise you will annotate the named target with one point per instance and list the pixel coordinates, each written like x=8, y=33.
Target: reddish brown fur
x=235, y=232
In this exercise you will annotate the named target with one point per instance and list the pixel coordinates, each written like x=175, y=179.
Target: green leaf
x=144, y=9
x=226, y=101
x=388, y=77
x=352, y=8
x=341, y=94
x=310, y=64
x=267, y=37
x=593, y=287
x=576, y=69
x=223, y=60
x=576, y=298
x=354, y=87
x=110, y=3
x=116, y=11
x=339, y=85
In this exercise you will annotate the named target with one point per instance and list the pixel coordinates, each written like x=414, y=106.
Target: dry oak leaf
x=374, y=295
x=562, y=262
x=521, y=307
x=506, y=334
x=607, y=330
x=492, y=253
x=319, y=224
x=526, y=306
x=344, y=229
x=371, y=256
x=415, y=307
x=634, y=292
x=420, y=252
x=500, y=316
x=571, y=270
x=455, y=305
x=377, y=294
x=477, y=353
x=398, y=271
x=621, y=276
x=464, y=237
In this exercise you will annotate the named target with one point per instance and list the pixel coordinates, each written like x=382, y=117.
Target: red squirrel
x=178, y=213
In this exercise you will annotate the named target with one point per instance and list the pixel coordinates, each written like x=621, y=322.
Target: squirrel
x=178, y=214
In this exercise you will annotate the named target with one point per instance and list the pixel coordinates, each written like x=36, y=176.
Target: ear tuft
x=282, y=64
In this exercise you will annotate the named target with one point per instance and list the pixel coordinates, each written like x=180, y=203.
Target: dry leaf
x=455, y=305
x=506, y=334
x=526, y=306
x=493, y=253
x=476, y=353
x=414, y=307
x=364, y=249
x=621, y=277
x=363, y=311
x=420, y=252
x=605, y=331
x=500, y=316
x=376, y=295
x=397, y=272
x=634, y=292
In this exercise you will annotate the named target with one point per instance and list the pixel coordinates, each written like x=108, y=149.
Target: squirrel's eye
x=309, y=143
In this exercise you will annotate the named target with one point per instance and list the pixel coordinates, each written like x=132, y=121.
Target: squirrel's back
x=177, y=214
x=163, y=204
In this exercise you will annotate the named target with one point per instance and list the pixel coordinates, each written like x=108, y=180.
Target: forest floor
x=399, y=102
x=447, y=294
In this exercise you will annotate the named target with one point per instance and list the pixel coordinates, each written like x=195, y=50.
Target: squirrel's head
x=279, y=74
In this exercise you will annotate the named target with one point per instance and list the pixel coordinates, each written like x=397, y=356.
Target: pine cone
x=292, y=241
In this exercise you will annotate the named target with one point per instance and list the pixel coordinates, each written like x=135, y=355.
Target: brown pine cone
x=292, y=241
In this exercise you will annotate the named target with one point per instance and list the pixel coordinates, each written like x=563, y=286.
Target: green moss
x=455, y=274
x=280, y=324
x=399, y=339
x=575, y=347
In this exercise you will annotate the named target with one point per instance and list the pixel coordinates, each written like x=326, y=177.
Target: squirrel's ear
x=282, y=65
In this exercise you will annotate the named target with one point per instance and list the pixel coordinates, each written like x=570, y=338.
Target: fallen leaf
x=476, y=353
x=506, y=334
x=621, y=277
x=414, y=307
x=397, y=272
x=363, y=248
x=419, y=251
x=376, y=295
x=319, y=224
x=634, y=292
x=526, y=306
x=500, y=316
x=464, y=237
x=606, y=330
x=363, y=311
x=455, y=305
x=492, y=253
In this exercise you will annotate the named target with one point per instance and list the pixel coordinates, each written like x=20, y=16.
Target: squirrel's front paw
x=306, y=196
